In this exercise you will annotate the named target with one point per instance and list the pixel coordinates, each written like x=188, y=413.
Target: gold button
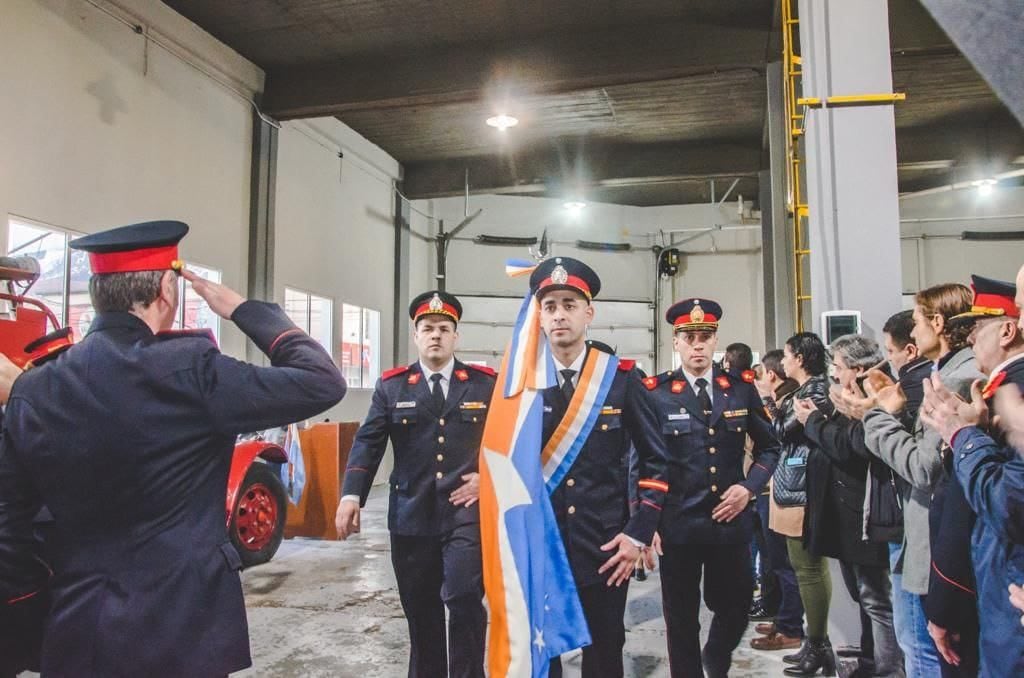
x=711, y=431
x=405, y=421
x=714, y=470
x=712, y=450
x=740, y=429
x=439, y=475
x=604, y=427
x=440, y=457
x=474, y=420
x=440, y=439
x=572, y=510
x=675, y=431
x=570, y=482
x=441, y=421
x=714, y=488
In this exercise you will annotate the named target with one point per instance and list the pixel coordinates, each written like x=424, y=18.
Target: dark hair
x=948, y=300
x=772, y=361
x=740, y=357
x=898, y=327
x=808, y=346
x=124, y=291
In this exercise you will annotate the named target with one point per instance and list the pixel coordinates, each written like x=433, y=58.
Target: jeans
x=789, y=617
x=919, y=653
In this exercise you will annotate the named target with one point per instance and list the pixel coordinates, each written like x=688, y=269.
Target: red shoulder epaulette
x=651, y=383
x=485, y=369
x=198, y=333
x=748, y=376
x=626, y=364
x=394, y=372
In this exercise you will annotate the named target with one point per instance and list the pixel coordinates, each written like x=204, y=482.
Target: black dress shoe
x=819, y=657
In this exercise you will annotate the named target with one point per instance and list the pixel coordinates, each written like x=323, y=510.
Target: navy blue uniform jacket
x=592, y=503
x=706, y=455
x=433, y=449
x=127, y=437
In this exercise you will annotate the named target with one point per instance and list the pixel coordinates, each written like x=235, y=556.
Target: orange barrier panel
x=325, y=448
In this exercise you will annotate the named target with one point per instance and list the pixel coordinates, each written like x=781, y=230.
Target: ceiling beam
x=473, y=72
x=551, y=169
x=985, y=142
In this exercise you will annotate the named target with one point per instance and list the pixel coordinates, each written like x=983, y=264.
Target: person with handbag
x=804, y=360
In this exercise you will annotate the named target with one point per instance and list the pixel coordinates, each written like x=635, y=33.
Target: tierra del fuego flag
x=535, y=611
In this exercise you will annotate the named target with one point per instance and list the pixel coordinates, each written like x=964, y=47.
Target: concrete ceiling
x=618, y=101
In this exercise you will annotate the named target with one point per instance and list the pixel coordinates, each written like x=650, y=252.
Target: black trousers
x=603, y=607
x=21, y=633
x=434, y=572
x=728, y=590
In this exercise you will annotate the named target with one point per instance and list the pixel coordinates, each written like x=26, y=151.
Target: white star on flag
x=538, y=639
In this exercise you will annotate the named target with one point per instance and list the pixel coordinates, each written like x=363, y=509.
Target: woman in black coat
x=835, y=525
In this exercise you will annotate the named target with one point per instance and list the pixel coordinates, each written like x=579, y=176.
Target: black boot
x=819, y=656
x=797, y=656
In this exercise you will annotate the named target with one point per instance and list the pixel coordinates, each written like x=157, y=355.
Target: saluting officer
x=433, y=411
x=706, y=415
x=127, y=438
x=592, y=501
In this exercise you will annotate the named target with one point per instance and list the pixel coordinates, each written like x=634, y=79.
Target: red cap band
x=149, y=259
x=446, y=309
x=684, y=320
x=987, y=303
x=570, y=281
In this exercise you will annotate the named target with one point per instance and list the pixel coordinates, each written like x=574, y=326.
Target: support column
x=852, y=194
x=263, y=182
x=776, y=233
x=400, y=347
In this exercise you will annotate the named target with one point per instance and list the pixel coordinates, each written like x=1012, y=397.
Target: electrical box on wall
x=668, y=262
x=835, y=324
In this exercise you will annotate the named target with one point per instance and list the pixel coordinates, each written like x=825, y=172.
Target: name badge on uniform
x=796, y=461
x=735, y=413
x=677, y=417
x=473, y=406
x=405, y=403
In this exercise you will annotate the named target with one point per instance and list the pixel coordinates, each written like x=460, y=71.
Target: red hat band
x=685, y=320
x=446, y=309
x=148, y=259
x=570, y=281
x=995, y=304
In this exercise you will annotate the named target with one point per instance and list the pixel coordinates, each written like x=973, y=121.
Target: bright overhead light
x=502, y=122
x=575, y=207
x=984, y=186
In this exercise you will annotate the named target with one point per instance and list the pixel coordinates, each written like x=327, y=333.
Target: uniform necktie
x=435, y=391
x=702, y=395
x=567, y=388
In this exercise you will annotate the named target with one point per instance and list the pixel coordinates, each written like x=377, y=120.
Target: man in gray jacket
x=916, y=457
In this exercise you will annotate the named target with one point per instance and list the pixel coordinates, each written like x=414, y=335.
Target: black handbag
x=789, y=482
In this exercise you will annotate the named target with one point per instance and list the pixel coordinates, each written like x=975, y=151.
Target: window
x=63, y=283
x=360, y=346
x=313, y=314
x=193, y=311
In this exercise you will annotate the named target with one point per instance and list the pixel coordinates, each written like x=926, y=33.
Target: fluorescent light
x=984, y=186
x=502, y=122
x=575, y=205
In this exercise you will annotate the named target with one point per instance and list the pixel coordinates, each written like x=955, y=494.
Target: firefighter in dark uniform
x=708, y=520
x=433, y=411
x=603, y=540
x=24, y=591
x=127, y=438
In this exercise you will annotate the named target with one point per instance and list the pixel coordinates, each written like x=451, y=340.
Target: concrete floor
x=332, y=609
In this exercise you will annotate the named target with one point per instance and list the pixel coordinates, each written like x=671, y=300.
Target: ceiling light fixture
x=984, y=186
x=502, y=122
x=575, y=206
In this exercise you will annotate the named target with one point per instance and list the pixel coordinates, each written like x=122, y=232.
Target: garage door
x=487, y=322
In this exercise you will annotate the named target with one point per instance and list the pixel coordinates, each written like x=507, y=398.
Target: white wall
x=334, y=233
x=97, y=129
x=732, y=279
x=940, y=256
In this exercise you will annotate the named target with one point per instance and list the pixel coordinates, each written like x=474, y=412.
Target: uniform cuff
x=262, y=322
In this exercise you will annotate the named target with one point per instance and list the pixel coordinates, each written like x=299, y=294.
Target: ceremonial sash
x=565, y=444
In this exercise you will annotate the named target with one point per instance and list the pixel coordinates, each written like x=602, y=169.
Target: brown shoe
x=765, y=628
x=775, y=641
